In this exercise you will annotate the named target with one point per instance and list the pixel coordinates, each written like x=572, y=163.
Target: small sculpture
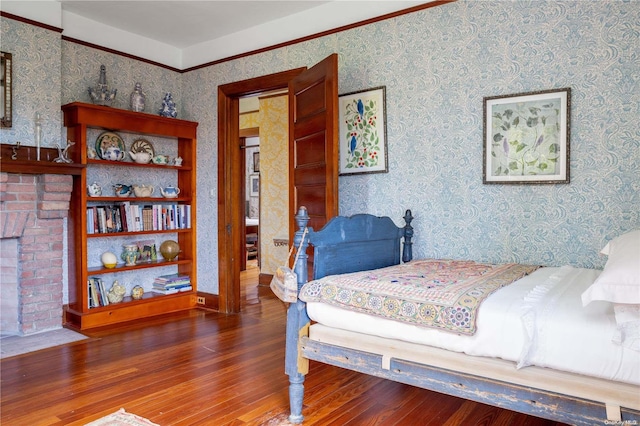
x=122, y=190
x=169, y=249
x=137, y=292
x=63, y=153
x=109, y=260
x=137, y=98
x=168, y=107
x=14, y=151
x=101, y=95
x=129, y=254
x=116, y=292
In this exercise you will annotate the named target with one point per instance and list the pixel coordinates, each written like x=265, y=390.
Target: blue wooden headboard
x=357, y=243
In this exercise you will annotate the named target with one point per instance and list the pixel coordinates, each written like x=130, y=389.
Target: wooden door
x=313, y=143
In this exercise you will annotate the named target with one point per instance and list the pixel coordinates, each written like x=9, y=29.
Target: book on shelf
x=127, y=217
x=97, y=293
x=172, y=290
x=169, y=278
x=177, y=284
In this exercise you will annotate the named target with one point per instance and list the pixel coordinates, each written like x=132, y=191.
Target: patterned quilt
x=442, y=294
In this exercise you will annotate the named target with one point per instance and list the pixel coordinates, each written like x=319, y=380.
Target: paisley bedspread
x=442, y=294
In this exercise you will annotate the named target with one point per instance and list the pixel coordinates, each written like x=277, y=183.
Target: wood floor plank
x=201, y=368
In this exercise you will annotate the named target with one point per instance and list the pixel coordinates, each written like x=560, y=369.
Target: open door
x=313, y=176
x=313, y=143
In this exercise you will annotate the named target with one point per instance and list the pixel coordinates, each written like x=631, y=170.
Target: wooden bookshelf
x=79, y=118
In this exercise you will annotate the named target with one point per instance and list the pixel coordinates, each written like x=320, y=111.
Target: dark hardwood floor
x=206, y=368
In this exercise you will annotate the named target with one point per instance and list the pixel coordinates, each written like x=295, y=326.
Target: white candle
x=38, y=135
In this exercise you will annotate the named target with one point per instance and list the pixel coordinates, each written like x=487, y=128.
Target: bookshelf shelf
x=82, y=120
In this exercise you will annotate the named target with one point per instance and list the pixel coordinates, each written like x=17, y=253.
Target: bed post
x=297, y=326
x=407, y=249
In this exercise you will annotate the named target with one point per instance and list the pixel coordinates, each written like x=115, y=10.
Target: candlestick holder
x=38, y=135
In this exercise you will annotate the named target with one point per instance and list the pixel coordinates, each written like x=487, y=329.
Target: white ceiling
x=184, y=34
x=185, y=23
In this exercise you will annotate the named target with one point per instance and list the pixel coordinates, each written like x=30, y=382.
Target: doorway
x=231, y=206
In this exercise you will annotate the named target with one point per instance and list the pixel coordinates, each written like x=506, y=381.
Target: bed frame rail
x=524, y=399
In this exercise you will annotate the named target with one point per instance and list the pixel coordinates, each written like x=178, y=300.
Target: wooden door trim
x=230, y=200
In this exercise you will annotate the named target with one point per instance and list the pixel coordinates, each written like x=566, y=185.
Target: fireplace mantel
x=25, y=162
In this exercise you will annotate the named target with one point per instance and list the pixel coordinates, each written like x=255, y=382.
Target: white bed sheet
x=527, y=322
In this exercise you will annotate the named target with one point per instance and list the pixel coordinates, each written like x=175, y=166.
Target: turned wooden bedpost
x=297, y=326
x=407, y=250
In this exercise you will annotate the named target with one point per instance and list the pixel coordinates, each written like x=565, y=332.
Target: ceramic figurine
x=116, y=292
x=177, y=161
x=101, y=95
x=122, y=190
x=129, y=254
x=137, y=98
x=168, y=107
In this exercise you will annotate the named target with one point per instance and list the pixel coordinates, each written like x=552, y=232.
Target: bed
x=516, y=367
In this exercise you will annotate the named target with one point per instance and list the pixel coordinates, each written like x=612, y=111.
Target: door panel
x=311, y=150
x=313, y=146
x=311, y=100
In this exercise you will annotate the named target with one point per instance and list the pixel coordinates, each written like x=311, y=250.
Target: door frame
x=230, y=183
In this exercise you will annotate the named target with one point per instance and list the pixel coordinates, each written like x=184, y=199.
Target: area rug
x=18, y=345
x=122, y=418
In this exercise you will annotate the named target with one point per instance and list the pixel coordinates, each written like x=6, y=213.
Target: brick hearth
x=32, y=211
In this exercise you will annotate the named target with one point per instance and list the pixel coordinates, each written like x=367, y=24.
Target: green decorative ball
x=169, y=249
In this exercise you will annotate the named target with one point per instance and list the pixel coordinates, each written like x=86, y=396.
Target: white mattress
x=538, y=320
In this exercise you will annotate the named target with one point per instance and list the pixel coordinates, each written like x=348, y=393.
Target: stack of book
x=172, y=283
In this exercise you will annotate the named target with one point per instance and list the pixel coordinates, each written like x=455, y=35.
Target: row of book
x=127, y=217
x=97, y=293
x=172, y=283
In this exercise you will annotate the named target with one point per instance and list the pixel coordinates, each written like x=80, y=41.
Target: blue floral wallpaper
x=36, y=56
x=437, y=65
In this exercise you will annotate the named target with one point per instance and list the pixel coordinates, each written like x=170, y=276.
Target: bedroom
x=437, y=65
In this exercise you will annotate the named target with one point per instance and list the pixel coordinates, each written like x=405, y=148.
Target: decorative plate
x=108, y=140
x=142, y=145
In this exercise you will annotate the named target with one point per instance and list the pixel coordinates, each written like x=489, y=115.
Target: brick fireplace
x=33, y=208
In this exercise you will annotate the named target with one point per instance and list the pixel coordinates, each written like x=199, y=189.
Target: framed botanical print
x=526, y=137
x=363, y=132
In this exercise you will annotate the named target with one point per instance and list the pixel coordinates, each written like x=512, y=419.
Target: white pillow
x=628, y=331
x=619, y=282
